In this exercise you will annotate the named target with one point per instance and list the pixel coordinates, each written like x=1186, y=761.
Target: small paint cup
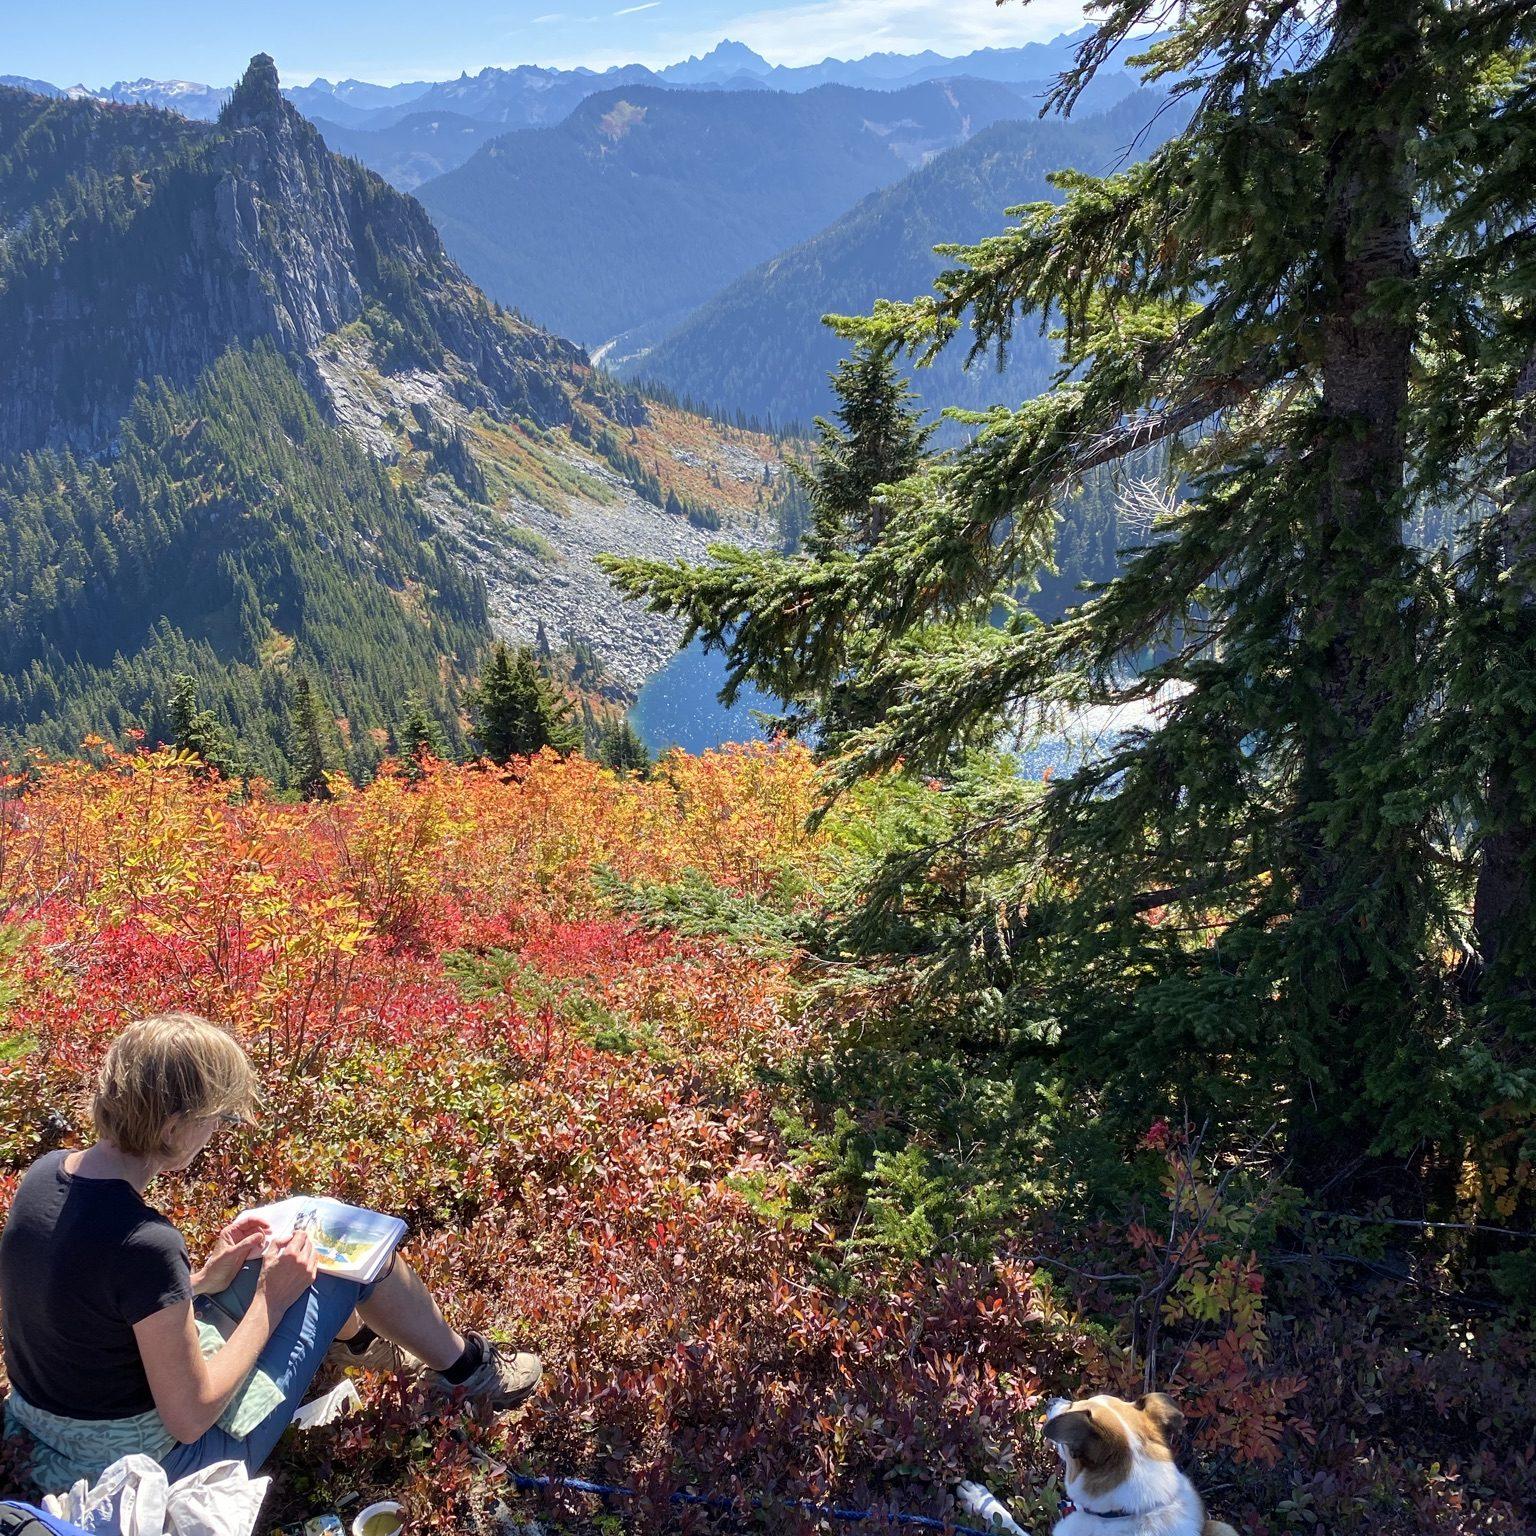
x=383, y=1519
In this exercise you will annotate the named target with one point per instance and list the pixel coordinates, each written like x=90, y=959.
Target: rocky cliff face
x=282, y=219
x=154, y=264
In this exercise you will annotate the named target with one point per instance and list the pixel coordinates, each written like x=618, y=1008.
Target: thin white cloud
x=629, y=10
x=809, y=32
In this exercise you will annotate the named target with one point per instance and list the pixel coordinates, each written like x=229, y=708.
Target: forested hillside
x=235, y=538
x=408, y=144
x=257, y=429
x=759, y=346
x=645, y=201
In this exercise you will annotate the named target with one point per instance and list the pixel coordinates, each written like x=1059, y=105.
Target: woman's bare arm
x=191, y=1391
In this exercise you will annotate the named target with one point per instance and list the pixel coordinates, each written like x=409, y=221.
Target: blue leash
x=719, y=1501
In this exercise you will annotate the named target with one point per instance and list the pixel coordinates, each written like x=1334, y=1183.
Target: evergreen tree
x=419, y=733
x=619, y=747
x=313, y=746
x=877, y=440
x=1478, y=381
x=1249, y=295
x=1500, y=688
x=363, y=758
x=516, y=709
x=840, y=509
x=200, y=731
x=792, y=507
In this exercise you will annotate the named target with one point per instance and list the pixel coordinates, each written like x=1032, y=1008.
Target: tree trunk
x=1352, y=636
x=1504, y=908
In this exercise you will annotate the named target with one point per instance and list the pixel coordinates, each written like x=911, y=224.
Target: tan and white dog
x=1120, y=1474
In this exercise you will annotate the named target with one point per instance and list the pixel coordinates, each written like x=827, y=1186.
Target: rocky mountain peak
x=290, y=243
x=257, y=101
x=737, y=55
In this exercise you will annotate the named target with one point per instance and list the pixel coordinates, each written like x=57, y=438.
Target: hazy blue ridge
x=417, y=148
x=530, y=94
x=646, y=201
x=759, y=345
x=353, y=100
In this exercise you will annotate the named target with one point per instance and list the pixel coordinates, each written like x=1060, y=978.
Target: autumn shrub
x=782, y=1229
x=456, y=1019
x=952, y=1103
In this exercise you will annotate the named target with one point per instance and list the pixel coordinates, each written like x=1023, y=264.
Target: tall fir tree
x=517, y=710
x=1475, y=388
x=1501, y=692
x=878, y=439
x=200, y=731
x=1249, y=295
x=313, y=744
x=619, y=747
x=419, y=734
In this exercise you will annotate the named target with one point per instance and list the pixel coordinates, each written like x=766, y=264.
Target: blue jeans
x=290, y=1357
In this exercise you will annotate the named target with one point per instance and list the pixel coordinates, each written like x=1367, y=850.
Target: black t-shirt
x=81, y=1261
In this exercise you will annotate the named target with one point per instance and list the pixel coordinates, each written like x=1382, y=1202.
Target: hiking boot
x=380, y=1355
x=504, y=1380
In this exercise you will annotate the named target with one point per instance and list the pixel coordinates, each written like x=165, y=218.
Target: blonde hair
x=171, y=1064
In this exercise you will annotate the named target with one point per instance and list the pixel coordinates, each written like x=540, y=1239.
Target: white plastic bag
x=134, y=1498
x=221, y=1500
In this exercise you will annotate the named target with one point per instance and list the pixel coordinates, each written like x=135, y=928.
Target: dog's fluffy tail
x=1217, y=1528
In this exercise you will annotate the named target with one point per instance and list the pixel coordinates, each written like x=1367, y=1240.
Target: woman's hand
x=288, y=1271
x=242, y=1240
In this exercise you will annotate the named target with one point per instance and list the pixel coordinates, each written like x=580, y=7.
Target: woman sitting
x=114, y=1343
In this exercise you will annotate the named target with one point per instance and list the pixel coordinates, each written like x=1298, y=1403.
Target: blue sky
x=96, y=42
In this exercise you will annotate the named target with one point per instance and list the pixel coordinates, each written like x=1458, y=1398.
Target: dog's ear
x=1164, y=1414
x=1075, y=1430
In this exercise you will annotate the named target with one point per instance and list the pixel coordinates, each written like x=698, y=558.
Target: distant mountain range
x=417, y=121
x=258, y=428
x=644, y=202
x=759, y=346
x=728, y=62
x=199, y=102
x=35, y=87
x=258, y=422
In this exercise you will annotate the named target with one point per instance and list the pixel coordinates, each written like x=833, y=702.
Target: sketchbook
x=349, y=1241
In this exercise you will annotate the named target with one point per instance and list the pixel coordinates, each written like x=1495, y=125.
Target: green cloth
x=66, y=1450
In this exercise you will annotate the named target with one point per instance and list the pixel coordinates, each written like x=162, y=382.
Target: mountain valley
x=645, y=202
x=209, y=301
x=759, y=345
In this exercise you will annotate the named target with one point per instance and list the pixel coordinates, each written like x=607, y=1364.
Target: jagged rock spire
x=257, y=98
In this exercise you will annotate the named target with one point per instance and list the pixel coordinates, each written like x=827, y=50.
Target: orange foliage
x=453, y=1022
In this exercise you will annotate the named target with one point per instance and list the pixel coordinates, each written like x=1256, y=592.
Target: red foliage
x=572, y=1112
x=578, y=1199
